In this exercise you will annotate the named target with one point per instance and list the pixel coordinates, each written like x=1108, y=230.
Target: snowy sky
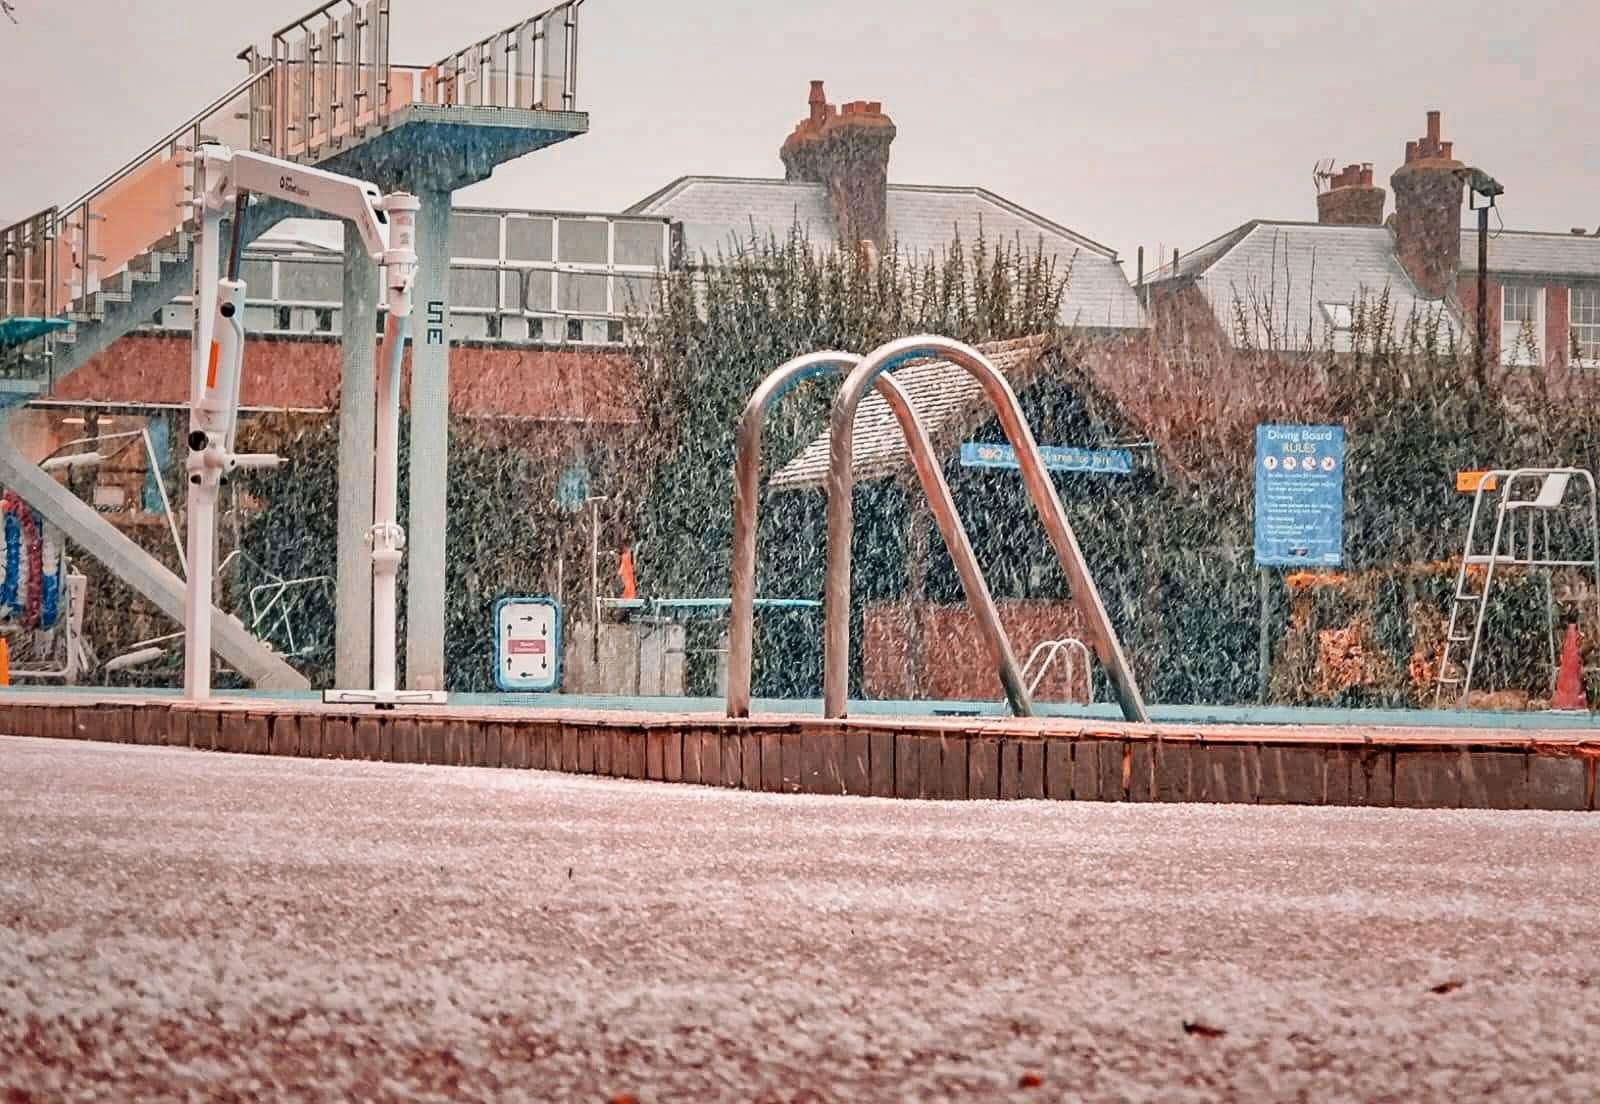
x=1160, y=123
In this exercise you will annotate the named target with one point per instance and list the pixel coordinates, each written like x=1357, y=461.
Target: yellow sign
x=1468, y=481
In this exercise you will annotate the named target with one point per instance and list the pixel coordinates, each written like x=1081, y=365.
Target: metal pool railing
x=532, y=64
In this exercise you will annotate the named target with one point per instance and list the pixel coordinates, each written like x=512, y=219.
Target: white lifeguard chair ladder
x=1524, y=501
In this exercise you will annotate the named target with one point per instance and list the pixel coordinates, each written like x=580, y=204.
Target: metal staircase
x=76, y=277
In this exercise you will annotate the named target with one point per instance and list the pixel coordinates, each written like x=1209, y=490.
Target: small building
x=1286, y=286
x=836, y=191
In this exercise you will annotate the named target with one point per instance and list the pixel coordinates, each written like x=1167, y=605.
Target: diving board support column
x=357, y=419
x=430, y=430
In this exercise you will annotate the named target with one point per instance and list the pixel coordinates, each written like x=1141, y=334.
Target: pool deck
x=1272, y=756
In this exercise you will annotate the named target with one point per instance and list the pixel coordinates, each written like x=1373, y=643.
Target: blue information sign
x=1299, y=496
x=1056, y=458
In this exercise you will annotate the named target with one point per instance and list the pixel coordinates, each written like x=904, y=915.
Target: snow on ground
x=184, y=924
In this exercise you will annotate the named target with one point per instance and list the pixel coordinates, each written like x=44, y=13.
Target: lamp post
x=1482, y=190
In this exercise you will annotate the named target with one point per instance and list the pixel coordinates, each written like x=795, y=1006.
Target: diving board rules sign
x=1299, y=496
x=527, y=644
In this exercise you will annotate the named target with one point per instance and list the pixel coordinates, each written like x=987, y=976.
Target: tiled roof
x=1523, y=253
x=1282, y=274
x=716, y=212
x=949, y=400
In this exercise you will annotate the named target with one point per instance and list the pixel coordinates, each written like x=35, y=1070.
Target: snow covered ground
x=185, y=924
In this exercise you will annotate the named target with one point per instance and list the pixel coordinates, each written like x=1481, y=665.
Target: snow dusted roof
x=1529, y=253
x=718, y=211
x=947, y=398
x=1283, y=273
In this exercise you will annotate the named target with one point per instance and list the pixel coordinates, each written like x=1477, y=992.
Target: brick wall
x=954, y=662
x=485, y=380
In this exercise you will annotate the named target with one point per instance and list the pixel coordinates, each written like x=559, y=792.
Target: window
x=1341, y=319
x=311, y=282
x=475, y=288
x=639, y=243
x=528, y=239
x=475, y=236
x=536, y=294
x=634, y=294
x=584, y=241
x=1586, y=325
x=582, y=292
x=1521, y=324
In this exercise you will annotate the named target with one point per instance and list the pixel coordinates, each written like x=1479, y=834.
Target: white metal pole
x=387, y=538
x=202, y=522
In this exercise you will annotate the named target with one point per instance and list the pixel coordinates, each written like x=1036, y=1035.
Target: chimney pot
x=845, y=149
x=1427, y=213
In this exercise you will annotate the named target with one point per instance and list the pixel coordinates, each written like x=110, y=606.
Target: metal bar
x=841, y=481
x=747, y=475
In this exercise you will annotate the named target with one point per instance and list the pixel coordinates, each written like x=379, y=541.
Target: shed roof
x=947, y=397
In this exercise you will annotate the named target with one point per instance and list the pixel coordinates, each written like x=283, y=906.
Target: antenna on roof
x=1321, y=173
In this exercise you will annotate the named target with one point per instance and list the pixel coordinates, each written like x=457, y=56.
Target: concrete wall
x=639, y=658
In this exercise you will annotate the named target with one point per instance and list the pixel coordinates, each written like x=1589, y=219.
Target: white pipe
x=388, y=540
x=133, y=659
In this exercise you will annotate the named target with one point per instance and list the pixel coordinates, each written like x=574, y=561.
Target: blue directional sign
x=1299, y=496
x=527, y=644
x=1056, y=458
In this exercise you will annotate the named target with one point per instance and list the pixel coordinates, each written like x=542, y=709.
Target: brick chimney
x=1427, y=212
x=847, y=150
x=1351, y=199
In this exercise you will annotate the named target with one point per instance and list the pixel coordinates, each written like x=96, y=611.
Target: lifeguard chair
x=1525, y=502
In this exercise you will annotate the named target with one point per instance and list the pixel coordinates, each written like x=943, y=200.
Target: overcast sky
x=1158, y=123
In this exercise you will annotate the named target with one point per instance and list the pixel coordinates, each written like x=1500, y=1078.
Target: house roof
x=949, y=400
x=1532, y=253
x=718, y=211
x=1275, y=278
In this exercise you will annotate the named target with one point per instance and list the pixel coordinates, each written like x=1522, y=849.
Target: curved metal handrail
x=1050, y=649
x=841, y=480
x=746, y=491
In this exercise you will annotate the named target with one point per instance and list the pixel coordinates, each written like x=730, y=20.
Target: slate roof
x=1284, y=272
x=718, y=211
x=1527, y=253
x=949, y=400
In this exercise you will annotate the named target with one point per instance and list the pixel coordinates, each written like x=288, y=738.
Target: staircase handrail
x=171, y=138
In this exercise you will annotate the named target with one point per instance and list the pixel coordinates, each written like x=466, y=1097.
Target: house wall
x=1556, y=333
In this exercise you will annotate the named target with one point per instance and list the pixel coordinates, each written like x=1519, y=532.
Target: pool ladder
x=872, y=371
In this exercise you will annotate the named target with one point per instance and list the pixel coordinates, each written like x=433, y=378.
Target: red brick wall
x=1557, y=326
x=485, y=380
x=956, y=663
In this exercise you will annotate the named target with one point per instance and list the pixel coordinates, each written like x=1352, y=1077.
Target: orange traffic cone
x=1569, y=679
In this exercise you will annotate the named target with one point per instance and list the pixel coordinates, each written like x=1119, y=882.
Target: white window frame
x=1585, y=331
x=1514, y=350
x=1341, y=317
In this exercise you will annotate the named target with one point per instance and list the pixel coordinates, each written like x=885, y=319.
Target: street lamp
x=1481, y=192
